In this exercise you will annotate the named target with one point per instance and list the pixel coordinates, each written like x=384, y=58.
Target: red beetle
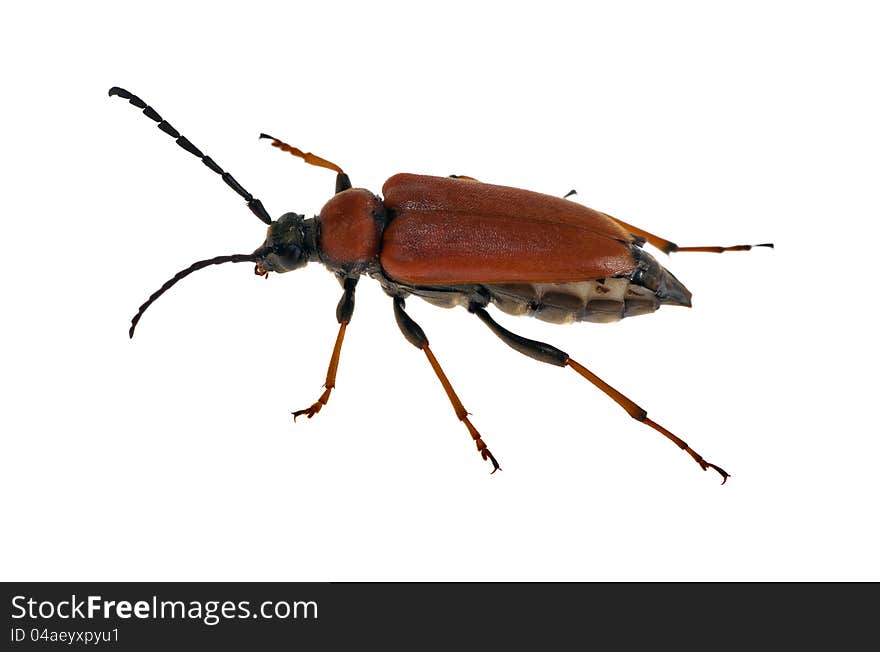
x=454, y=241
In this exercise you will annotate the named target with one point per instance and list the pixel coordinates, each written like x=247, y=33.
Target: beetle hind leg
x=551, y=355
x=668, y=247
x=416, y=336
x=639, y=414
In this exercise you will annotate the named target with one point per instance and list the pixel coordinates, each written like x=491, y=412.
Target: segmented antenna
x=234, y=258
x=254, y=204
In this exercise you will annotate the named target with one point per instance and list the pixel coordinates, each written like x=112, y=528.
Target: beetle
x=455, y=241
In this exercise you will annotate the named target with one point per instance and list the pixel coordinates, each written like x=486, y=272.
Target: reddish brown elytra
x=454, y=241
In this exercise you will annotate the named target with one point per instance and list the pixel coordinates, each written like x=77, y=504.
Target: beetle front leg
x=343, y=315
x=551, y=355
x=416, y=336
x=342, y=180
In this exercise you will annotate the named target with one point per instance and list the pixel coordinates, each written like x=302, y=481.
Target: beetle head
x=286, y=247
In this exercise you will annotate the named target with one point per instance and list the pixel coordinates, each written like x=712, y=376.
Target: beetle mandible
x=454, y=241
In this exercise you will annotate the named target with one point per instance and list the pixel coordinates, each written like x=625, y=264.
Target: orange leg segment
x=344, y=312
x=543, y=352
x=330, y=383
x=460, y=412
x=308, y=157
x=416, y=336
x=640, y=414
x=669, y=247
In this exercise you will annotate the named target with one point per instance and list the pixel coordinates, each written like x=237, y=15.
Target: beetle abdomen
x=640, y=292
x=601, y=300
x=605, y=300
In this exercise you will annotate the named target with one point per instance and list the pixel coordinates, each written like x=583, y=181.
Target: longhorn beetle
x=454, y=241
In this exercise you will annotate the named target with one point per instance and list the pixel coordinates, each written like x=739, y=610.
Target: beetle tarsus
x=719, y=250
x=315, y=407
x=309, y=411
x=489, y=457
x=481, y=445
x=330, y=383
x=724, y=474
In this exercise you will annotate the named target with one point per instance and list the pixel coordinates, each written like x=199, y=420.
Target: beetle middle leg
x=416, y=336
x=344, y=311
x=464, y=177
x=551, y=355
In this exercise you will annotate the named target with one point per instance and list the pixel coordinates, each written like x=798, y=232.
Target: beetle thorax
x=350, y=229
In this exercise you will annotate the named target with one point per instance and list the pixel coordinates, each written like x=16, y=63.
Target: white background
x=174, y=457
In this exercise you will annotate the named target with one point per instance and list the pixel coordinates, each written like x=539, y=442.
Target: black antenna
x=254, y=204
x=234, y=258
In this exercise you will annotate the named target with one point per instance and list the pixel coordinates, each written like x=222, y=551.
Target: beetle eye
x=285, y=259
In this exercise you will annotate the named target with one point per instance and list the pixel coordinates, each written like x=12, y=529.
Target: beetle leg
x=668, y=247
x=462, y=176
x=330, y=382
x=343, y=315
x=551, y=355
x=416, y=336
x=342, y=180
